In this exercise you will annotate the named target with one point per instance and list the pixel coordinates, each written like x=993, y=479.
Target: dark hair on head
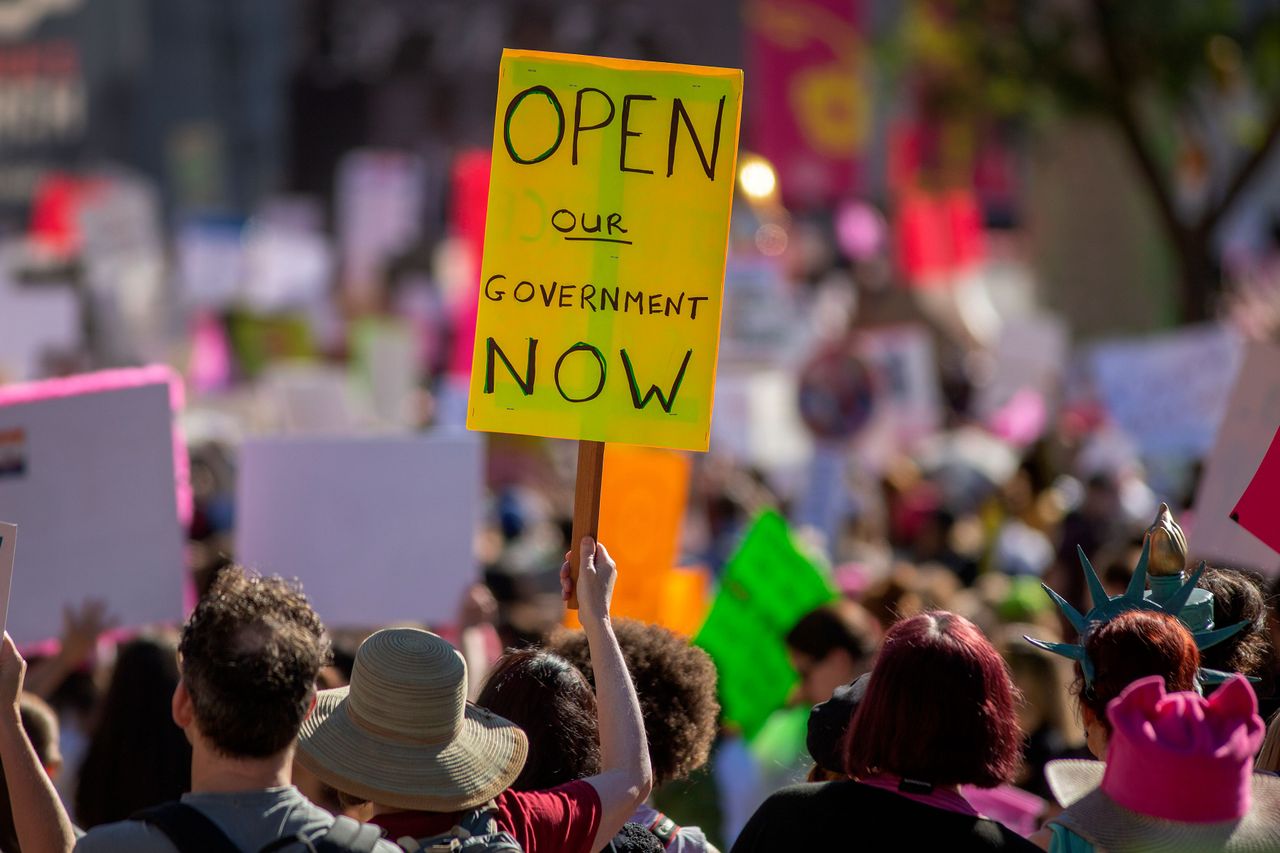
x=676, y=685
x=939, y=707
x=1237, y=597
x=251, y=652
x=41, y=726
x=1134, y=645
x=634, y=838
x=839, y=625
x=548, y=697
x=135, y=729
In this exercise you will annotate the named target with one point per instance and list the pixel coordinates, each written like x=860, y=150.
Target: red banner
x=808, y=98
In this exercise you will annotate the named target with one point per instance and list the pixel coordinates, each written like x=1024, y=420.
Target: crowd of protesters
x=256, y=729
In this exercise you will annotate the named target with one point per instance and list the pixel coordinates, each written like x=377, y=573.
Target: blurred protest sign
x=642, y=506
x=306, y=398
x=686, y=599
x=385, y=355
x=1252, y=414
x=757, y=421
x=87, y=468
x=1168, y=392
x=1256, y=509
x=837, y=394
x=908, y=396
x=8, y=546
x=1030, y=354
x=379, y=530
x=380, y=199
x=765, y=589
x=604, y=250
x=760, y=313
x=35, y=321
x=811, y=103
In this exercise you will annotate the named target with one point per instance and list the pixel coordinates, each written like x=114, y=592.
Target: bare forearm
x=625, y=778
x=40, y=820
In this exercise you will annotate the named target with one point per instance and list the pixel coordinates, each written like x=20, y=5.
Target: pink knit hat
x=1180, y=756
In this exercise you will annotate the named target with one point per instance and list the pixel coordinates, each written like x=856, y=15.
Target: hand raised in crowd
x=596, y=574
x=81, y=628
x=478, y=607
x=12, y=671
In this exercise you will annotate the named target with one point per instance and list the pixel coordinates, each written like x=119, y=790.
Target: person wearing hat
x=403, y=738
x=1178, y=776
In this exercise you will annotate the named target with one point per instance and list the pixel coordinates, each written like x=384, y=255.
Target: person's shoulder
x=126, y=835
x=995, y=836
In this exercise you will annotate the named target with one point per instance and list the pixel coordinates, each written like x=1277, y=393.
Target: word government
x=589, y=297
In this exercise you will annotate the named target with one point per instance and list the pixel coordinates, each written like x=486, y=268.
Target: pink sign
x=1256, y=510
x=806, y=109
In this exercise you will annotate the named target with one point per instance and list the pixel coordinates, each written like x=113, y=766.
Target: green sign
x=767, y=586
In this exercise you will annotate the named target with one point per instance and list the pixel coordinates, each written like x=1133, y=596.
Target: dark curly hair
x=1134, y=645
x=1237, y=597
x=251, y=652
x=676, y=684
x=551, y=700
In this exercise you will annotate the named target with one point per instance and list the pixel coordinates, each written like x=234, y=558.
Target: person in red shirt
x=404, y=739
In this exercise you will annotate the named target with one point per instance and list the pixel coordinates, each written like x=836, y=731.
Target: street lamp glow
x=757, y=178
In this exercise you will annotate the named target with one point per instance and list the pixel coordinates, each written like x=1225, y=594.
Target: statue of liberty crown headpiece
x=1164, y=554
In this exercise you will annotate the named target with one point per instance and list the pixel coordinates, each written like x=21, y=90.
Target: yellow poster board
x=604, y=251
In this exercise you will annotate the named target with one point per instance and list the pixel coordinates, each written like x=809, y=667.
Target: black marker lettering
x=581, y=347
x=526, y=384
x=496, y=297
x=666, y=402
x=578, y=126
x=677, y=113
x=622, y=149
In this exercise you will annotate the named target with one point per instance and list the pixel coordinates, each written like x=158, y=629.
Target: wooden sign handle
x=586, y=506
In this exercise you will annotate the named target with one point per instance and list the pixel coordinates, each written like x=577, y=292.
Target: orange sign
x=642, y=506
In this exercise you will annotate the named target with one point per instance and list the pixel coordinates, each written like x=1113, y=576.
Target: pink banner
x=808, y=98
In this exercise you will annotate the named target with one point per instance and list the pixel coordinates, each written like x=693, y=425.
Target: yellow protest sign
x=604, y=252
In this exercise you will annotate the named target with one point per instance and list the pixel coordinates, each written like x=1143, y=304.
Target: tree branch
x=1213, y=213
x=1122, y=112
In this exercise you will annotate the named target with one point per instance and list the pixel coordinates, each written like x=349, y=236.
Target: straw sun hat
x=1177, y=776
x=403, y=734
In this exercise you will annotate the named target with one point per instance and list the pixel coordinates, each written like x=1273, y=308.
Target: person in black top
x=938, y=713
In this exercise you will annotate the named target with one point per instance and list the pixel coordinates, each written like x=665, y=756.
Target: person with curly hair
x=676, y=683
x=1239, y=596
x=250, y=655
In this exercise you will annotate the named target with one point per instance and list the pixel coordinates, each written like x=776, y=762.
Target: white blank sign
x=378, y=529
x=89, y=479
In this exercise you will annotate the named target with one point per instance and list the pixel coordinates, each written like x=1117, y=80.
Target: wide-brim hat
x=1095, y=816
x=403, y=734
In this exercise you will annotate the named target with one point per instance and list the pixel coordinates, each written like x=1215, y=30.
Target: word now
x=493, y=353
x=603, y=110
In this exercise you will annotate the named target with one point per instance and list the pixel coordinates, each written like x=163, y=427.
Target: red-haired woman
x=1131, y=646
x=938, y=713
x=1134, y=645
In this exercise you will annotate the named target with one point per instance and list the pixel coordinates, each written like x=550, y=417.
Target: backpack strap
x=348, y=836
x=187, y=828
x=665, y=829
x=344, y=835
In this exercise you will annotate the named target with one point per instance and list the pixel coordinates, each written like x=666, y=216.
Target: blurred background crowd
x=994, y=270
